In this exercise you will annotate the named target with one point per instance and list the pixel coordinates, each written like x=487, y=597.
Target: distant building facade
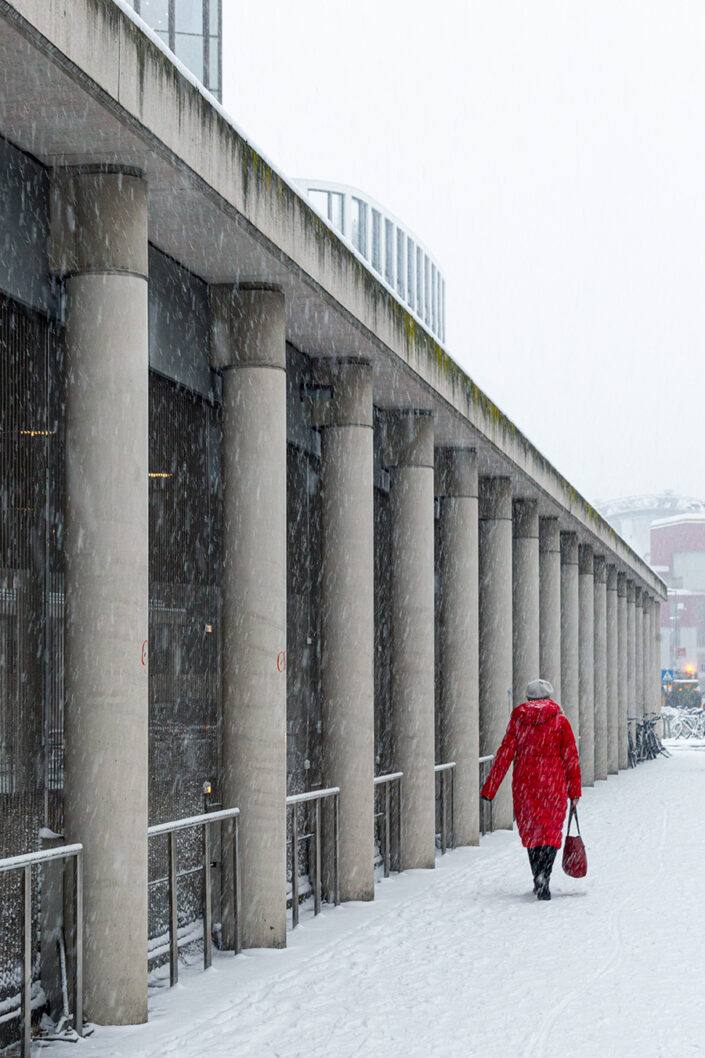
x=393, y=251
x=678, y=556
x=633, y=516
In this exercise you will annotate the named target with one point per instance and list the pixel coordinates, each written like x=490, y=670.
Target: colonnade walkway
x=463, y=961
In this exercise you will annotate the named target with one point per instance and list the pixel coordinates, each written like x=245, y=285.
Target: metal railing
x=385, y=783
x=315, y=798
x=446, y=772
x=170, y=830
x=25, y=863
x=486, y=824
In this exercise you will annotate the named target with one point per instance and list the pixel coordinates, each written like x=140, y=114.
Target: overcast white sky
x=552, y=156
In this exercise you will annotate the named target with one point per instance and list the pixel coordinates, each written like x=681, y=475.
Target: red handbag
x=574, y=855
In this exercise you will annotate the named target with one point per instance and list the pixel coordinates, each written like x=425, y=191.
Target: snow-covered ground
x=463, y=961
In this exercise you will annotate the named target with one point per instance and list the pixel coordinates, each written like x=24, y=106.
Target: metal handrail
x=387, y=781
x=170, y=830
x=484, y=807
x=316, y=797
x=444, y=770
x=25, y=863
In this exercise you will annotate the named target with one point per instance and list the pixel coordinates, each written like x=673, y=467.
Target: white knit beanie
x=538, y=689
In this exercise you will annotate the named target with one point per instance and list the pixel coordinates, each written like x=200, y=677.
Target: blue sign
x=666, y=675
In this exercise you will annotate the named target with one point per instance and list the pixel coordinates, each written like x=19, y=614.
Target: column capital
x=549, y=534
x=612, y=577
x=586, y=560
x=495, y=495
x=98, y=220
x=622, y=585
x=456, y=472
x=409, y=438
x=349, y=397
x=569, y=549
x=525, y=519
x=600, y=569
x=630, y=592
x=248, y=327
x=637, y=595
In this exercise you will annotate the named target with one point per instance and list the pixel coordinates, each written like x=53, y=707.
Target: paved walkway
x=463, y=961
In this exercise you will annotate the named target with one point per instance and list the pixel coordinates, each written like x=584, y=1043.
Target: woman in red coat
x=539, y=740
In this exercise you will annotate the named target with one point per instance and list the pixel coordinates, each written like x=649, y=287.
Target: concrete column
x=99, y=241
x=456, y=485
x=639, y=652
x=570, y=613
x=347, y=617
x=550, y=603
x=631, y=655
x=412, y=629
x=612, y=635
x=525, y=596
x=647, y=656
x=600, y=648
x=656, y=660
x=586, y=592
x=248, y=346
x=623, y=671
x=495, y=513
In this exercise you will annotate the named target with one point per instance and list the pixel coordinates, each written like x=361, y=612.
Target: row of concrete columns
x=517, y=598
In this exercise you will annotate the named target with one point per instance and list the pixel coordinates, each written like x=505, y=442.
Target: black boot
x=541, y=858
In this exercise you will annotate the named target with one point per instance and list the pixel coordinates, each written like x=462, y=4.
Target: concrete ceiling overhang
x=79, y=83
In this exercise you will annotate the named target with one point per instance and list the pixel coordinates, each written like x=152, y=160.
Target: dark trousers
x=541, y=858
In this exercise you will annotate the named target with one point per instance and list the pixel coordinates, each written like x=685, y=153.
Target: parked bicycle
x=645, y=743
x=688, y=724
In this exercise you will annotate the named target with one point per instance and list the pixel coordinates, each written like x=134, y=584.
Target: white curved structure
x=387, y=245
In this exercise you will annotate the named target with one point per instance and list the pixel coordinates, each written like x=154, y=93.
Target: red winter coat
x=539, y=739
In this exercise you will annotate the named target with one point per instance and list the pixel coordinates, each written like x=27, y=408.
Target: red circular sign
x=144, y=652
x=281, y=661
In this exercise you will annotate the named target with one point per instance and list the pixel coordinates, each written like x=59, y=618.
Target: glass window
x=156, y=14
x=214, y=74
x=434, y=298
x=189, y=49
x=401, y=245
x=335, y=209
x=427, y=290
x=320, y=201
x=377, y=240
x=410, y=277
x=389, y=254
x=188, y=16
x=419, y=281
x=214, y=16
x=358, y=228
